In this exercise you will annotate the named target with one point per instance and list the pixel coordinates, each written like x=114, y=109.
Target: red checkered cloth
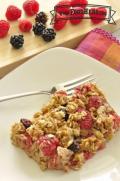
x=102, y=46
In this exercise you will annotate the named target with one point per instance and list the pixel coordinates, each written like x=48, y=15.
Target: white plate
x=43, y=71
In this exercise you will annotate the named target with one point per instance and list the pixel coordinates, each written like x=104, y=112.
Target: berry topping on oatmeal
x=75, y=147
x=26, y=123
x=48, y=144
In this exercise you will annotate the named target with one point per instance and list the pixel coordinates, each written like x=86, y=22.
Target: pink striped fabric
x=102, y=46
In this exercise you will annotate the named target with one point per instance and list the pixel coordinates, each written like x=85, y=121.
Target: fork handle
x=6, y=98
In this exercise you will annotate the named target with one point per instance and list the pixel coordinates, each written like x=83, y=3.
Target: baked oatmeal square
x=68, y=130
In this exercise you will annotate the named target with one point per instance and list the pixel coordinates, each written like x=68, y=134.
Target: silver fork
x=68, y=86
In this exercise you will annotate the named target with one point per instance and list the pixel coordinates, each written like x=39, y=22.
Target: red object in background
x=31, y=7
x=4, y=28
x=60, y=22
x=13, y=13
x=81, y=3
x=25, y=25
x=76, y=15
x=97, y=15
x=63, y=7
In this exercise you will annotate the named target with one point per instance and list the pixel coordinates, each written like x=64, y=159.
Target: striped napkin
x=102, y=46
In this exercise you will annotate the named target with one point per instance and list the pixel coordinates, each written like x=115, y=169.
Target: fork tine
x=69, y=86
x=72, y=87
x=74, y=81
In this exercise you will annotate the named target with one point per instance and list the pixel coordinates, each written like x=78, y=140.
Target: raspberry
x=88, y=155
x=83, y=89
x=86, y=121
x=77, y=3
x=63, y=7
x=76, y=15
x=94, y=101
x=4, y=28
x=13, y=13
x=73, y=162
x=97, y=15
x=80, y=109
x=25, y=25
x=60, y=22
x=48, y=144
x=31, y=7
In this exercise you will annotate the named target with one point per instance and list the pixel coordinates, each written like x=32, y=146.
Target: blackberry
x=26, y=123
x=64, y=105
x=38, y=28
x=75, y=147
x=41, y=18
x=17, y=41
x=48, y=34
x=66, y=114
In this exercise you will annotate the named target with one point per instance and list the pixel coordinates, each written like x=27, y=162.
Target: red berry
x=76, y=15
x=31, y=7
x=25, y=25
x=60, y=22
x=77, y=3
x=63, y=7
x=4, y=28
x=83, y=89
x=97, y=15
x=48, y=145
x=94, y=101
x=13, y=13
x=86, y=122
x=80, y=109
x=88, y=155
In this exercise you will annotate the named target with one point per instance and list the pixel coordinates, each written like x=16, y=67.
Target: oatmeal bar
x=68, y=130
